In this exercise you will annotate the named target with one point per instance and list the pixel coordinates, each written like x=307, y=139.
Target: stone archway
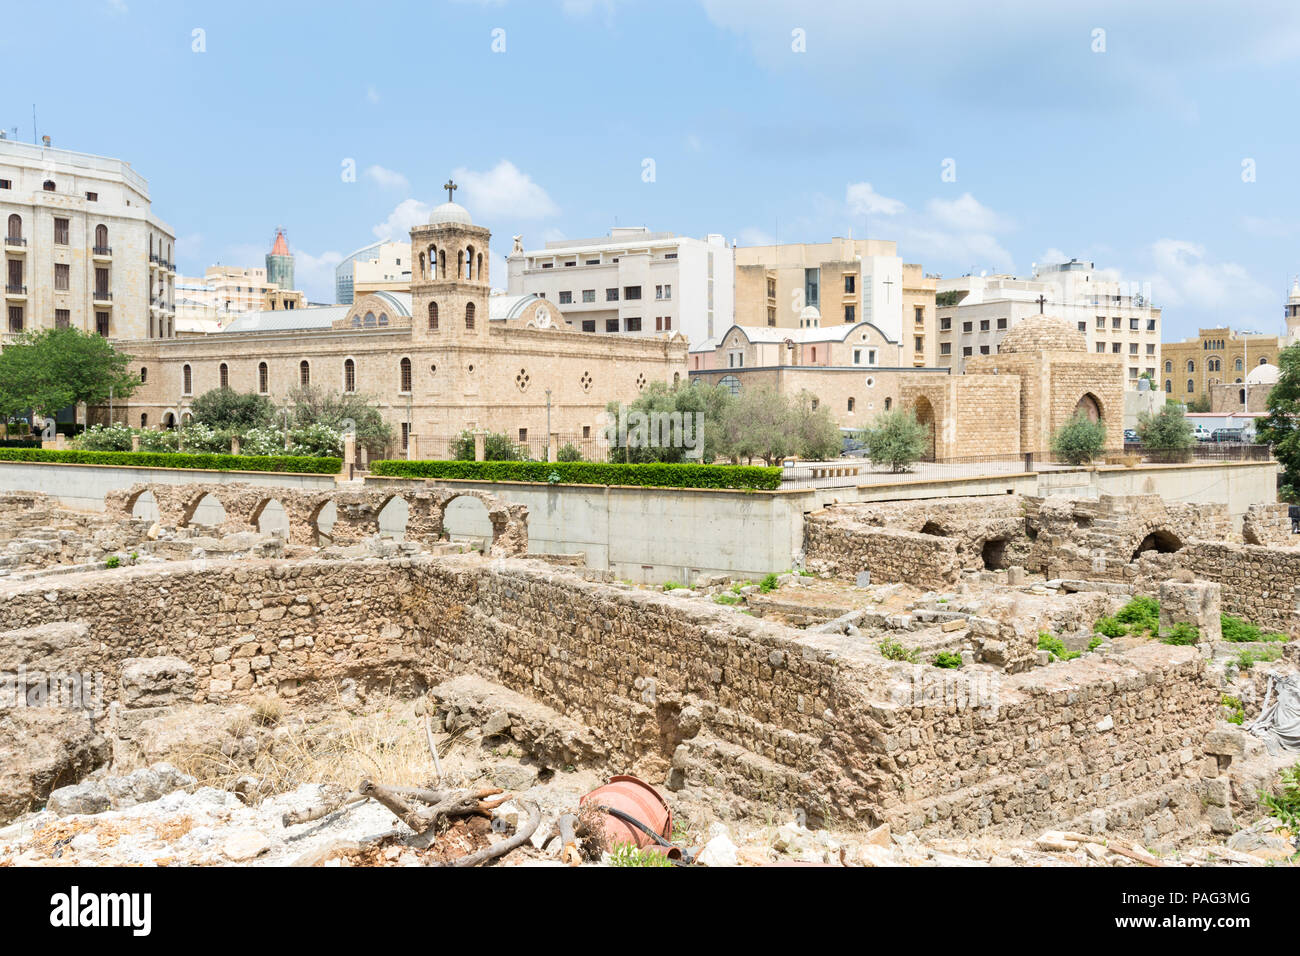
x=1089, y=405
x=1160, y=540
x=270, y=515
x=509, y=521
x=205, y=509
x=925, y=416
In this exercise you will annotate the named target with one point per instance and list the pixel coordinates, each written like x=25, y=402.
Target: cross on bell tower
x=451, y=187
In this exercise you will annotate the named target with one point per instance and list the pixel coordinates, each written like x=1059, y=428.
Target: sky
x=1156, y=139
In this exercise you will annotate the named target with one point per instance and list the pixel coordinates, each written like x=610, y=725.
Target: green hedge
x=159, y=459
x=589, y=473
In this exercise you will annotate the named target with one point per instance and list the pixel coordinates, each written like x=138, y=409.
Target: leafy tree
x=224, y=408
x=897, y=439
x=660, y=399
x=568, y=452
x=47, y=370
x=1167, y=431
x=1201, y=404
x=497, y=446
x=1281, y=427
x=315, y=406
x=816, y=435
x=1079, y=440
x=756, y=424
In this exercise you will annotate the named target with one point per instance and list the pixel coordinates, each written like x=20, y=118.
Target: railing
x=100, y=296
x=15, y=241
x=15, y=289
x=102, y=250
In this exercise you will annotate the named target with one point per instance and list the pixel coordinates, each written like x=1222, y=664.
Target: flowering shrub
x=106, y=438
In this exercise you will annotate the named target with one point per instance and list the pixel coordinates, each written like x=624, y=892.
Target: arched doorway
x=465, y=519
x=925, y=416
x=1158, y=540
x=994, y=554
x=1089, y=406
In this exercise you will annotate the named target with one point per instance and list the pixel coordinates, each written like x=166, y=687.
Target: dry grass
x=385, y=741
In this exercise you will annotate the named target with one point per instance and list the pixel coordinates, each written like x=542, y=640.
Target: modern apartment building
x=847, y=281
x=82, y=247
x=976, y=312
x=386, y=269
x=633, y=281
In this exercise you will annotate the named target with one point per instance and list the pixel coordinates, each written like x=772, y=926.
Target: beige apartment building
x=976, y=312
x=847, y=281
x=387, y=270
x=82, y=247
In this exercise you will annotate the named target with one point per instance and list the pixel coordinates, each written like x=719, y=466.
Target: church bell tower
x=449, y=274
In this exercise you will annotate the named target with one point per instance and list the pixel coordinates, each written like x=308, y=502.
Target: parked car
x=1131, y=437
x=1201, y=432
x=1228, y=435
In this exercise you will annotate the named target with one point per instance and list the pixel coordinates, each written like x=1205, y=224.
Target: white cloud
x=117, y=6
x=863, y=200
x=503, y=191
x=1268, y=227
x=1185, y=277
x=314, y=275
x=386, y=178
x=965, y=214
x=407, y=213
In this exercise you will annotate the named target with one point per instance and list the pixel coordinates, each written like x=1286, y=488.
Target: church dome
x=450, y=212
x=1262, y=375
x=810, y=317
x=1040, y=333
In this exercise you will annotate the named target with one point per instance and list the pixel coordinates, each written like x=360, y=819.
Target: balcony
x=16, y=244
x=15, y=291
x=99, y=295
x=102, y=252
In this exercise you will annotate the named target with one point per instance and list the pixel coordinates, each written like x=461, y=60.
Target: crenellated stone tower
x=449, y=278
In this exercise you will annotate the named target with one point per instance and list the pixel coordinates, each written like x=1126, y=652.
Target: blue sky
x=1131, y=155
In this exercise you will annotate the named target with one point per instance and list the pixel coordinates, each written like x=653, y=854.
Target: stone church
x=448, y=356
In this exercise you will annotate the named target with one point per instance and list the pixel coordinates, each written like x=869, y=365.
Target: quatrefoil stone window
x=640, y=381
x=585, y=381
x=522, y=379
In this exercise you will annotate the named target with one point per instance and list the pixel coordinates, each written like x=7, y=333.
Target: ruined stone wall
x=888, y=554
x=36, y=533
x=1269, y=525
x=1259, y=584
x=686, y=692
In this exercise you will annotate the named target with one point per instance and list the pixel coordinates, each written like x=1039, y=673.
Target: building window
x=1114, y=323
x=1169, y=366
x=633, y=323
x=62, y=318
x=611, y=295
x=433, y=316
x=1237, y=365
x=304, y=373
x=611, y=325
x=850, y=287
x=771, y=288
x=1133, y=324
x=589, y=325
x=984, y=325
x=405, y=376
x=349, y=376
x=967, y=326
x=48, y=185
x=1191, y=365
x=1169, y=386
x=144, y=419
x=566, y=298
x=187, y=380
x=144, y=374
x=631, y=293
x=945, y=325
x=1101, y=348
x=101, y=324
x=15, y=318
x=60, y=232
x=523, y=434
x=984, y=350
x=406, y=436
x=731, y=384
x=811, y=285
x=469, y=316
x=889, y=403
x=1151, y=325
x=945, y=348
x=967, y=351
x=223, y=375
x=850, y=313
x=1132, y=348
x=6, y=184
x=1191, y=386
x=771, y=316
x=588, y=295
x=263, y=378
x=101, y=239
x=14, y=229
x=1115, y=347
x=61, y=273
x=850, y=404
x=101, y=282
x=1002, y=324
x=920, y=343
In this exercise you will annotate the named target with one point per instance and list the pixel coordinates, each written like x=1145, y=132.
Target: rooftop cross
x=451, y=187
x=1041, y=300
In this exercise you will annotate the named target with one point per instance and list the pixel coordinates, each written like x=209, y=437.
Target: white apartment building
x=975, y=312
x=82, y=247
x=386, y=269
x=633, y=281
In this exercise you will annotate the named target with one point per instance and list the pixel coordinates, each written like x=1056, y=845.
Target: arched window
x=383, y=318
x=469, y=263
x=1191, y=386
x=442, y=263
x=349, y=376
x=48, y=185
x=304, y=373
x=433, y=316
x=422, y=273
x=101, y=237
x=1214, y=364
x=460, y=264
x=370, y=320
x=144, y=374
x=731, y=384
x=144, y=419
x=1236, y=366
x=889, y=403
x=469, y=315
x=15, y=228
x=478, y=269
x=1191, y=365
x=406, y=376
x=1169, y=366
x=263, y=378
x=1169, y=387
x=223, y=375
x=187, y=380
x=1264, y=360
x=850, y=404
x=1241, y=395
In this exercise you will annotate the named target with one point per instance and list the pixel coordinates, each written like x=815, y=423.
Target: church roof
x=501, y=307
x=1039, y=333
x=287, y=320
